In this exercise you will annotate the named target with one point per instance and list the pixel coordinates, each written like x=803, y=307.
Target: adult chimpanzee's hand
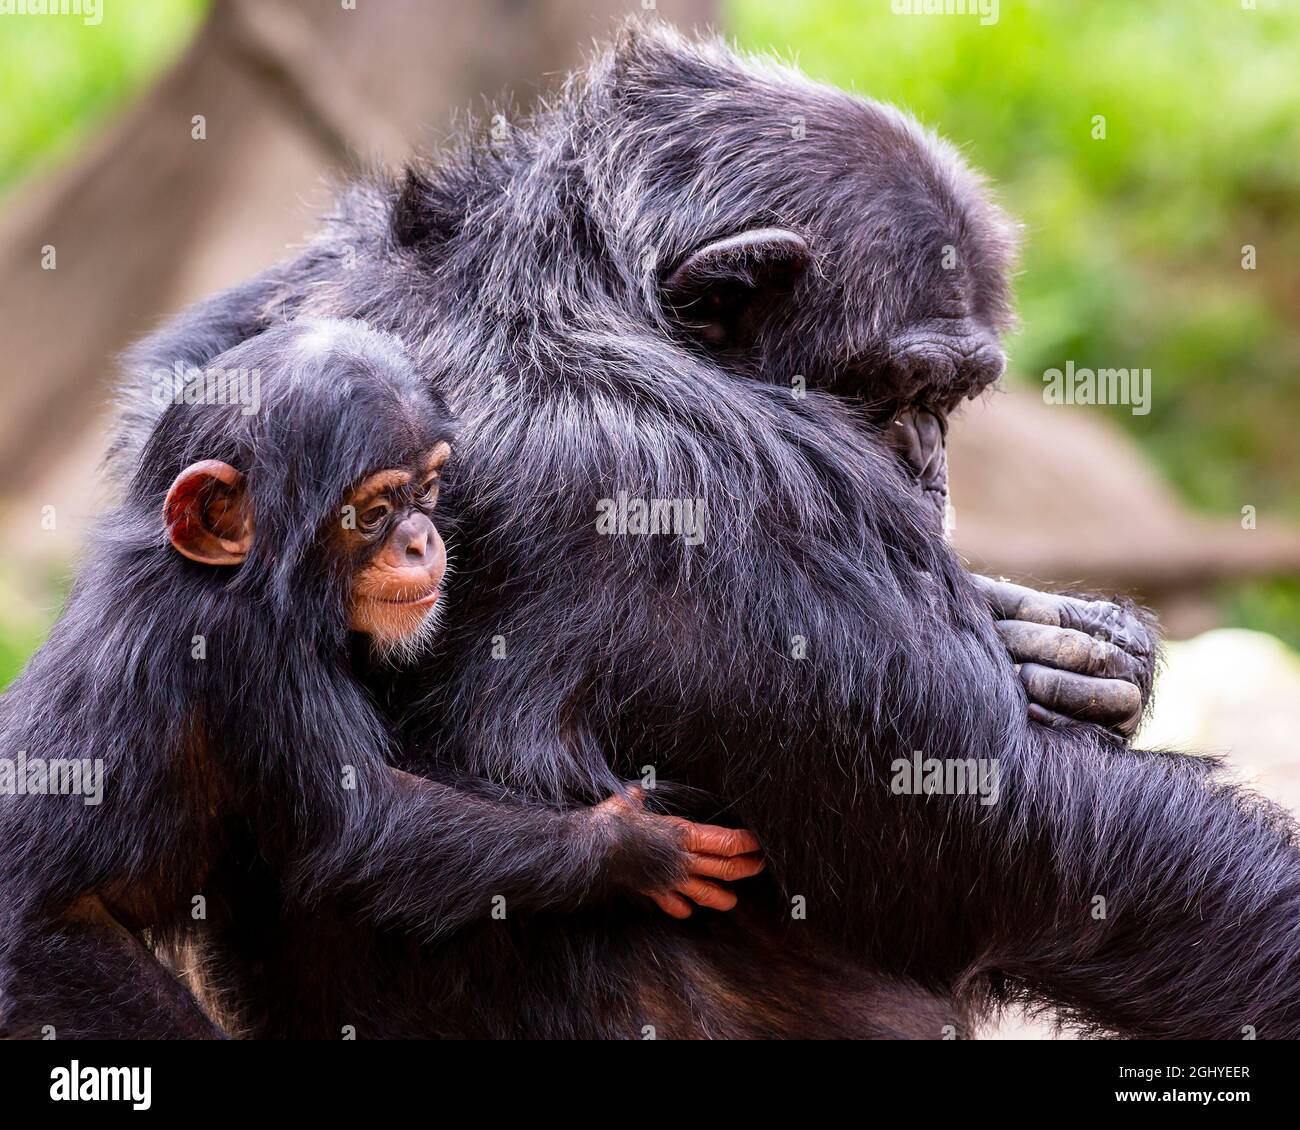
x=1080, y=660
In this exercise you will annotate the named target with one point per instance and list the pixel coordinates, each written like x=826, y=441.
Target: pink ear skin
x=207, y=516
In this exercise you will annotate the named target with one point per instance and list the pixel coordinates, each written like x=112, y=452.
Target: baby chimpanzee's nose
x=415, y=539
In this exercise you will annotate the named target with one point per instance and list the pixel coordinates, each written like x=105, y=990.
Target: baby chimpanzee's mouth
x=417, y=600
x=918, y=435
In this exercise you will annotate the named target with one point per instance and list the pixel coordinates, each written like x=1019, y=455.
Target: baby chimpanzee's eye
x=374, y=516
x=430, y=495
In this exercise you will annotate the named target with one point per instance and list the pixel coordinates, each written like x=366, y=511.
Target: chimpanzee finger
x=1016, y=602
x=1010, y=601
x=728, y=868
x=1103, y=619
x=707, y=894
x=671, y=903
x=1067, y=650
x=710, y=839
x=1109, y=702
x=1045, y=717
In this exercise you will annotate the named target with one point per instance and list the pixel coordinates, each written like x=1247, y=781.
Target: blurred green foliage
x=28, y=605
x=1268, y=605
x=1133, y=244
x=17, y=642
x=60, y=77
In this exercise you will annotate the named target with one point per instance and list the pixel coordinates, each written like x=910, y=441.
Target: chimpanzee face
x=731, y=293
x=323, y=499
x=396, y=588
x=386, y=539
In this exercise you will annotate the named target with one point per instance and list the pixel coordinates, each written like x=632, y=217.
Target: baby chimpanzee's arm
x=434, y=857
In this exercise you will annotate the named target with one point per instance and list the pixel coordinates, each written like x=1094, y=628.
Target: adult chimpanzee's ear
x=207, y=515
x=719, y=290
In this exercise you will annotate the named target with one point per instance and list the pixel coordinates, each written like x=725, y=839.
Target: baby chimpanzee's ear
x=720, y=290
x=207, y=514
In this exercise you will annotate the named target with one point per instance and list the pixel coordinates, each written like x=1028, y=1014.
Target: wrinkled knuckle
x=1075, y=617
x=1111, y=621
x=1039, y=608
x=1075, y=652
x=1110, y=661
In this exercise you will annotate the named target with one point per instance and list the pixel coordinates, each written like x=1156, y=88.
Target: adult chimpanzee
x=204, y=659
x=696, y=278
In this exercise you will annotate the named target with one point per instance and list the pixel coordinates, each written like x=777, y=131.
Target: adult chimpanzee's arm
x=1140, y=894
x=433, y=857
x=1137, y=891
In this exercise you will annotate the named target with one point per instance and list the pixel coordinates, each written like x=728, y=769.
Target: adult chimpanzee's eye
x=374, y=516
x=430, y=495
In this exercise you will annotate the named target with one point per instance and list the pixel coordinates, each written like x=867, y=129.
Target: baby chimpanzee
x=203, y=677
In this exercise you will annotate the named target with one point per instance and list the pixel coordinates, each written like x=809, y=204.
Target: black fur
x=526, y=274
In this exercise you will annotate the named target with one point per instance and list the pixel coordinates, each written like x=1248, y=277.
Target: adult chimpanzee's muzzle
x=919, y=436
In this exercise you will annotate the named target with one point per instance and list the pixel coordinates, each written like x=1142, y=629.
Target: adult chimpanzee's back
x=687, y=298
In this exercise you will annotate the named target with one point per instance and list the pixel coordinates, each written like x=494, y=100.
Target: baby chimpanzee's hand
x=706, y=852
